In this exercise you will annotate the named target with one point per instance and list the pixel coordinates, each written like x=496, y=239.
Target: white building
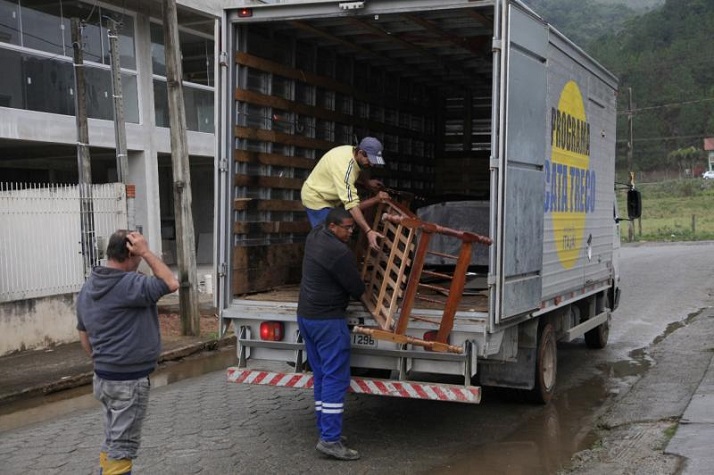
x=38, y=133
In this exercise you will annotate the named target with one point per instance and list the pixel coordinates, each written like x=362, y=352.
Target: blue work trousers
x=328, y=351
x=317, y=216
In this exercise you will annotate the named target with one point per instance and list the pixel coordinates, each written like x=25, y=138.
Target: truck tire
x=598, y=336
x=546, y=366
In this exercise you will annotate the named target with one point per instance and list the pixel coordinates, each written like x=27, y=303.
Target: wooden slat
x=252, y=204
x=245, y=59
x=250, y=133
x=257, y=181
x=306, y=77
x=273, y=159
x=260, y=268
x=273, y=227
x=324, y=114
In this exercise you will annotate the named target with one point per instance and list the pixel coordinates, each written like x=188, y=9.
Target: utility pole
x=120, y=123
x=185, y=240
x=630, y=146
x=84, y=166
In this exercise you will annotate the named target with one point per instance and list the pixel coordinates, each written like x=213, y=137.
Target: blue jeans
x=124, y=404
x=317, y=216
x=328, y=344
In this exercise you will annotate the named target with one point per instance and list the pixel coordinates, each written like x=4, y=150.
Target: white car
x=708, y=175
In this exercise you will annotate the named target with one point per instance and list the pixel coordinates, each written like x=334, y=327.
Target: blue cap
x=373, y=148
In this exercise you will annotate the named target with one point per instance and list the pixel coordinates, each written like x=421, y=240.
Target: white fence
x=41, y=236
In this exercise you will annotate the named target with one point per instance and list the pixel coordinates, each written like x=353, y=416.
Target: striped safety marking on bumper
x=379, y=387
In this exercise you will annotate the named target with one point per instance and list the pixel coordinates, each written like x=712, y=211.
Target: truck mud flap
x=377, y=387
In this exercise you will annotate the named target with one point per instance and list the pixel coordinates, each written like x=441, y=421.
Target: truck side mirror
x=634, y=204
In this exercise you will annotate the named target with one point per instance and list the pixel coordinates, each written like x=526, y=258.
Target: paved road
x=206, y=425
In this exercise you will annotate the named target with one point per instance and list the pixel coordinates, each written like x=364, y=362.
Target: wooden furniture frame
x=393, y=276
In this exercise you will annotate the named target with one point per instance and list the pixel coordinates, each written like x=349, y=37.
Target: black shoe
x=337, y=450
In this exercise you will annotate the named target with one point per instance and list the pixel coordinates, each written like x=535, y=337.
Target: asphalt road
x=206, y=425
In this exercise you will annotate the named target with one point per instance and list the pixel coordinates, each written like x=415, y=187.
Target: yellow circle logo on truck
x=569, y=182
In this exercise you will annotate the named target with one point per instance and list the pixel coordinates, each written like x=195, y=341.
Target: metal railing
x=41, y=235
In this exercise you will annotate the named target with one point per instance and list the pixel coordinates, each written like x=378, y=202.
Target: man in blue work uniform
x=329, y=278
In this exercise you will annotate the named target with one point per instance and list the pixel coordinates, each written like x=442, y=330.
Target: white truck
x=504, y=126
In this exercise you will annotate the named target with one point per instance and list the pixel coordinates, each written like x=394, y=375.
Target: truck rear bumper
x=377, y=387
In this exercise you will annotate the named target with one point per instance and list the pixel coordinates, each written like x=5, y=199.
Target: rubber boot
x=109, y=466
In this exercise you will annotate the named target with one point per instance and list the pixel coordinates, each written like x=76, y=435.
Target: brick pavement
x=209, y=426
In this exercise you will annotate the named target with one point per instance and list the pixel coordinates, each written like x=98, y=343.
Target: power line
x=663, y=139
x=672, y=104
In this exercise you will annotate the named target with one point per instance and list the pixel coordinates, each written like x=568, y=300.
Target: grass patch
x=670, y=431
x=667, y=435
x=675, y=210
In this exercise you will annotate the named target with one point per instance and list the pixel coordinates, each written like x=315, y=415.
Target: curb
x=85, y=378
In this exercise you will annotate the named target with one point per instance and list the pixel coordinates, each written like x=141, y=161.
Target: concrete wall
x=37, y=323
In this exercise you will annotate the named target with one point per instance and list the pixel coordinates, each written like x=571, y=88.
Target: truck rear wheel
x=546, y=366
x=597, y=337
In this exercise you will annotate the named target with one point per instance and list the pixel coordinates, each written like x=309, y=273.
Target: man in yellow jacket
x=332, y=182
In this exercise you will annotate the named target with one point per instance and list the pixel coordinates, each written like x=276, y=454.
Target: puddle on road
x=22, y=413
x=545, y=443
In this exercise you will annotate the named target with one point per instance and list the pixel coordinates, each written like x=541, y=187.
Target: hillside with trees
x=665, y=56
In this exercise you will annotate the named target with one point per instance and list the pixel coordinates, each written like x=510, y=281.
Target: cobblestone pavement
x=207, y=425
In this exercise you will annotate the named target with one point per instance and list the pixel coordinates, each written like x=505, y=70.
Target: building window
x=197, y=61
x=198, y=104
x=36, y=47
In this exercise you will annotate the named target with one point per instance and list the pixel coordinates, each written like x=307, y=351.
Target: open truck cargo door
x=522, y=148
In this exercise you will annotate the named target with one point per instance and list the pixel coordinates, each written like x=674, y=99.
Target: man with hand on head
x=329, y=278
x=332, y=182
x=118, y=326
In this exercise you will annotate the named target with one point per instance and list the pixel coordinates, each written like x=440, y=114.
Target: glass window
x=92, y=37
x=47, y=85
x=100, y=102
x=47, y=26
x=131, y=98
x=9, y=22
x=42, y=26
x=199, y=109
x=158, y=56
x=11, y=85
x=161, y=103
x=125, y=32
x=198, y=104
x=197, y=58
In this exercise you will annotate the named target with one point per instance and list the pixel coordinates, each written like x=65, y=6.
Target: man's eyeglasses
x=348, y=227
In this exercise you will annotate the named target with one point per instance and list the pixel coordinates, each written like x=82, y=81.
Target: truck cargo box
x=476, y=99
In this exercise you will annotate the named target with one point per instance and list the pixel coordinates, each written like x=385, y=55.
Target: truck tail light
x=272, y=331
x=245, y=13
x=430, y=336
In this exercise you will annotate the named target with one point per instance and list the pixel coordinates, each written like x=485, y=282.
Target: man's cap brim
x=375, y=159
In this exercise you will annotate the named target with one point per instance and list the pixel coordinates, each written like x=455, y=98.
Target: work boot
x=337, y=450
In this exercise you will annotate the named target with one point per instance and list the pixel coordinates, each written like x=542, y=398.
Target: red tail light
x=430, y=336
x=271, y=331
x=245, y=13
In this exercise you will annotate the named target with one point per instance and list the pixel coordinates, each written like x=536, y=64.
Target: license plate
x=359, y=339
